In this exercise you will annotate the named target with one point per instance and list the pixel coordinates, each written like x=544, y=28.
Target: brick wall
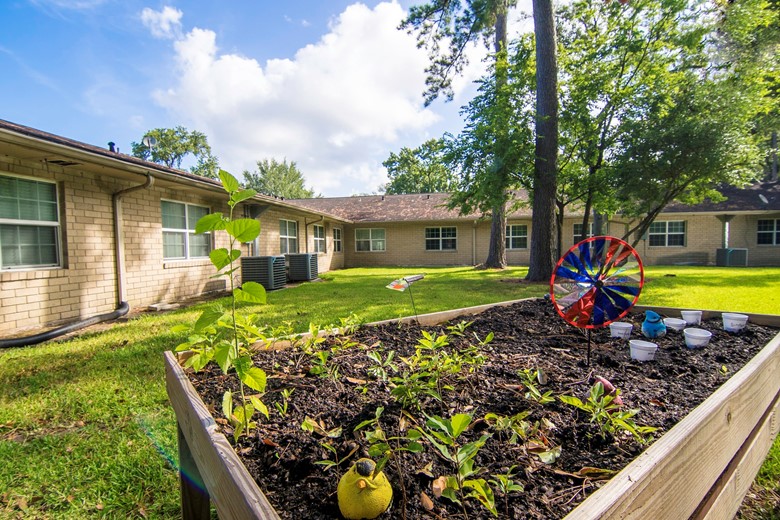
x=85, y=285
x=405, y=246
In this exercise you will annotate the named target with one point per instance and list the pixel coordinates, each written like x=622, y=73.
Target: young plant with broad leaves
x=223, y=335
x=607, y=414
x=385, y=447
x=444, y=435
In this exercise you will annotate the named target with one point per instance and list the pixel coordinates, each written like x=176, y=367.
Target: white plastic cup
x=733, y=322
x=620, y=329
x=675, y=324
x=691, y=317
x=642, y=350
x=696, y=338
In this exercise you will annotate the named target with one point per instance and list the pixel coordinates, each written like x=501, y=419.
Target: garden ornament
x=596, y=282
x=363, y=494
x=653, y=327
x=406, y=283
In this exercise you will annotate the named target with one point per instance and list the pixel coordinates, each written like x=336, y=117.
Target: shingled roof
x=415, y=207
x=762, y=196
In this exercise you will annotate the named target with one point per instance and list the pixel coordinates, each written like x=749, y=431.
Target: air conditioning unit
x=302, y=266
x=731, y=257
x=268, y=271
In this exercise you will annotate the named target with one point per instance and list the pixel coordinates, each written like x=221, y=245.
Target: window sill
x=33, y=274
x=184, y=263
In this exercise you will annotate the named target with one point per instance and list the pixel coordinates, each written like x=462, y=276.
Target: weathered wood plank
x=672, y=476
x=195, y=502
x=730, y=490
x=434, y=318
x=233, y=491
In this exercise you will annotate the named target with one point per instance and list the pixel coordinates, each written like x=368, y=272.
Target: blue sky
x=329, y=84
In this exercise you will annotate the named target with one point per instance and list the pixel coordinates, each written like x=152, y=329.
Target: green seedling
x=505, y=485
x=444, y=435
x=607, y=415
x=529, y=379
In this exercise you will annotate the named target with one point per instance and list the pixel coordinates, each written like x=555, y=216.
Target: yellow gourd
x=363, y=495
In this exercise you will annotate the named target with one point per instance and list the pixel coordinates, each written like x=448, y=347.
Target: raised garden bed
x=701, y=466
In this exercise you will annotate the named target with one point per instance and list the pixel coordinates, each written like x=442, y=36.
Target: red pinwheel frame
x=597, y=282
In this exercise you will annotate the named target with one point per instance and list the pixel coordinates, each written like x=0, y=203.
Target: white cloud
x=337, y=108
x=165, y=24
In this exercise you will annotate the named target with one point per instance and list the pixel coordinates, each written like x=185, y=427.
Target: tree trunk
x=542, y=260
x=559, y=216
x=497, y=251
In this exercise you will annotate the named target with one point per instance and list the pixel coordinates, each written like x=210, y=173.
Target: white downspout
x=119, y=245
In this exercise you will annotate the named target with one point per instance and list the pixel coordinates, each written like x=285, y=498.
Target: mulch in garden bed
x=283, y=457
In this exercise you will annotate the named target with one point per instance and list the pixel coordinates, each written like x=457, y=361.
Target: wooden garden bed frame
x=701, y=468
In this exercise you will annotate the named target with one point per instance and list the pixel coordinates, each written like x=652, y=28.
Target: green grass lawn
x=86, y=430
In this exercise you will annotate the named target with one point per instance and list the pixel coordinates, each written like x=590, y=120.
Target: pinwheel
x=596, y=282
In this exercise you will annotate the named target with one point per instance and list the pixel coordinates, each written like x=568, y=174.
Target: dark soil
x=529, y=335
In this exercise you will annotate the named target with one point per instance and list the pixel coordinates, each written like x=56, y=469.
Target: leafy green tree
x=750, y=42
x=449, y=21
x=611, y=55
x=419, y=170
x=651, y=111
x=688, y=145
x=281, y=179
x=473, y=154
x=172, y=145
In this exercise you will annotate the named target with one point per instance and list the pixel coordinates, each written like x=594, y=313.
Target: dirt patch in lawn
x=550, y=448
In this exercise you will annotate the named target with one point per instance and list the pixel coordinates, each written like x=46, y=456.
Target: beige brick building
x=84, y=228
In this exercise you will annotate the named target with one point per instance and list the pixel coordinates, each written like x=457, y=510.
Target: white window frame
x=578, y=236
x=376, y=244
x=774, y=233
x=666, y=234
x=285, y=238
x=337, y=243
x=186, y=231
x=511, y=234
x=37, y=224
x=319, y=238
x=437, y=242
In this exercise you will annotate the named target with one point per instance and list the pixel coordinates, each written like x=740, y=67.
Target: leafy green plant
x=459, y=329
x=314, y=426
x=322, y=367
x=381, y=366
x=608, y=415
x=505, y=485
x=385, y=447
x=226, y=336
x=282, y=407
x=513, y=427
x=535, y=435
x=428, y=367
x=529, y=378
x=443, y=434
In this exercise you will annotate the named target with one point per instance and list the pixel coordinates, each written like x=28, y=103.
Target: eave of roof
x=21, y=135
